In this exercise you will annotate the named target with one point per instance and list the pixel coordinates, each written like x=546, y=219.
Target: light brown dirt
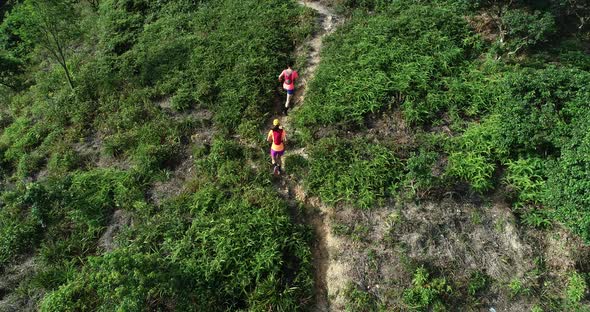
x=329, y=273
x=175, y=185
x=119, y=220
x=11, y=301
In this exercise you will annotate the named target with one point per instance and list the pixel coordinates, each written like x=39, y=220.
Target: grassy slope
x=505, y=125
x=70, y=158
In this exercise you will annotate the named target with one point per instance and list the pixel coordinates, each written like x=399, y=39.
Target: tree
x=50, y=25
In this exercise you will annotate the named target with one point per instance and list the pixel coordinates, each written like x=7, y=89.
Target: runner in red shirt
x=288, y=77
x=278, y=137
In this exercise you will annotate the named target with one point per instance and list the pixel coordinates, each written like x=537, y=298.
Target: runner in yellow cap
x=278, y=137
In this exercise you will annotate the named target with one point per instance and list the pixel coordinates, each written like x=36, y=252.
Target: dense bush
x=540, y=104
x=227, y=246
x=217, y=249
x=568, y=181
x=419, y=177
x=525, y=29
x=473, y=154
x=352, y=171
x=409, y=50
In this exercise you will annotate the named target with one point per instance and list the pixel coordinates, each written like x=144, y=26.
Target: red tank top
x=277, y=136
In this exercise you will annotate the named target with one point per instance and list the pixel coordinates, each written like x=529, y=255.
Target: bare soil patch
x=175, y=184
x=378, y=251
x=119, y=220
x=485, y=25
x=11, y=301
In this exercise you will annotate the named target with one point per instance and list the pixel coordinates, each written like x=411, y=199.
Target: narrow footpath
x=327, y=277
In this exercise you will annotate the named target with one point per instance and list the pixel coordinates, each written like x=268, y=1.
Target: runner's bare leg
x=288, y=100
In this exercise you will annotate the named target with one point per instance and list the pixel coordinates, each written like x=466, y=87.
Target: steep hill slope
x=129, y=188
x=437, y=156
x=447, y=158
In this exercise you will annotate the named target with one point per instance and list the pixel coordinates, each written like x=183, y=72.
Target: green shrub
x=517, y=288
x=568, y=180
x=526, y=177
x=419, y=177
x=65, y=299
x=426, y=292
x=539, y=108
x=150, y=159
x=477, y=282
x=118, y=143
x=296, y=164
x=352, y=171
x=249, y=132
x=525, y=29
x=576, y=288
x=51, y=276
x=373, y=58
x=17, y=236
x=474, y=154
x=359, y=300
x=29, y=164
x=63, y=161
x=22, y=137
x=182, y=100
x=536, y=308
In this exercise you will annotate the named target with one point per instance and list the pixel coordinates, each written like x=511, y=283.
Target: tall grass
x=230, y=245
x=352, y=171
x=406, y=49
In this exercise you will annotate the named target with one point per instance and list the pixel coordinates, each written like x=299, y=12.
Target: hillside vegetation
x=514, y=122
x=100, y=100
x=451, y=138
x=494, y=100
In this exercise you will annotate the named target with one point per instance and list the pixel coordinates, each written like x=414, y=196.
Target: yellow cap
x=276, y=122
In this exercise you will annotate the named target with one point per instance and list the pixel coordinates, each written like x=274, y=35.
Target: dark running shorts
x=274, y=153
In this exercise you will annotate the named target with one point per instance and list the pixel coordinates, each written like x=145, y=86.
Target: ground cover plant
x=471, y=103
x=354, y=172
x=190, y=252
x=92, y=120
x=483, y=104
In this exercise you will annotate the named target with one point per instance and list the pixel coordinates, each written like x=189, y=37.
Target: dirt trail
x=327, y=22
x=328, y=276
